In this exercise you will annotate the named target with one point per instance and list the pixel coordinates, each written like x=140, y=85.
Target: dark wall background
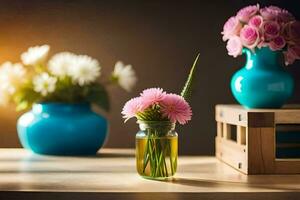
x=159, y=38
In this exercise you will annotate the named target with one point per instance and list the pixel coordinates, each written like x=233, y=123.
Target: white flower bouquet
x=64, y=78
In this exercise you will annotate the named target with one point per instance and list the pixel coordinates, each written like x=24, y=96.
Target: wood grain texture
x=261, y=151
x=260, y=119
x=260, y=132
x=112, y=175
x=238, y=115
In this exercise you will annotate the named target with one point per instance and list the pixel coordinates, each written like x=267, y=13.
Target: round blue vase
x=263, y=82
x=62, y=129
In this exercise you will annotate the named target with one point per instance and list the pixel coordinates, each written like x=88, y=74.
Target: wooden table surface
x=112, y=175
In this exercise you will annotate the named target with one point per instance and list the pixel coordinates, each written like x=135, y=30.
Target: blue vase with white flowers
x=61, y=92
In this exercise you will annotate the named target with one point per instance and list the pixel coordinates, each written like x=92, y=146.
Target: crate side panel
x=232, y=154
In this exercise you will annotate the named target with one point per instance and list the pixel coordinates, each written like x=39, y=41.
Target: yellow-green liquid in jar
x=156, y=157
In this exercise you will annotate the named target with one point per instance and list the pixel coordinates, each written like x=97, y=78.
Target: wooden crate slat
x=228, y=115
x=225, y=151
x=226, y=131
x=287, y=117
x=287, y=166
x=241, y=135
x=219, y=129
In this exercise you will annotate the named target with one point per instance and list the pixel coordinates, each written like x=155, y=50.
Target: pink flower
x=234, y=46
x=256, y=21
x=249, y=36
x=276, y=13
x=291, y=32
x=277, y=43
x=270, y=13
x=292, y=54
x=285, y=16
x=176, y=109
x=270, y=29
x=231, y=27
x=133, y=107
x=152, y=95
x=246, y=13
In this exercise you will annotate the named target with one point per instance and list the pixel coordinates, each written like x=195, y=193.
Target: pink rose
x=270, y=29
x=246, y=13
x=256, y=21
x=234, y=46
x=276, y=13
x=277, y=43
x=291, y=32
x=231, y=27
x=249, y=36
x=291, y=54
x=285, y=16
x=270, y=13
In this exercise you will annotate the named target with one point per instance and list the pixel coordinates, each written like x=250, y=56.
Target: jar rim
x=153, y=124
x=166, y=122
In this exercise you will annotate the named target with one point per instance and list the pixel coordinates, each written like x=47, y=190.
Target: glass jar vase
x=156, y=149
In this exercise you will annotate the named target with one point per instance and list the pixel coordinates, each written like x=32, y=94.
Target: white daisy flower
x=124, y=75
x=85, y=70
x=61, y=63
x=35, y=55
x=44, y=84
x=11, y=76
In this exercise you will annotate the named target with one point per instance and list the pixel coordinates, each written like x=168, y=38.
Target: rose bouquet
x=157, y=113
x=254, y=27
x=66, y=77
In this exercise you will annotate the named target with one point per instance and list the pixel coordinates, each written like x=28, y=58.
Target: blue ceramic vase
x=263, y=82
x=62, y=129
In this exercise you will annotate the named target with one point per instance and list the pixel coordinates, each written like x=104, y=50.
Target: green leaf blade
x=187, y=89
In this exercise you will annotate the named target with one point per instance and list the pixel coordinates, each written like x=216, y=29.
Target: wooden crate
x=259, y=141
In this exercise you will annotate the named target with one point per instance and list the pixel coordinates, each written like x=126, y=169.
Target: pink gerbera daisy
x=132, y=107
x=152, y=96
x=176, y=109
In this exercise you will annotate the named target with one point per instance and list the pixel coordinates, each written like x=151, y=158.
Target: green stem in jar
x=146, y=157
x=171, y=161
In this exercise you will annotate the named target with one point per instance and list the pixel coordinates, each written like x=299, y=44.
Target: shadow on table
x=203, y=183
x=113, y=155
